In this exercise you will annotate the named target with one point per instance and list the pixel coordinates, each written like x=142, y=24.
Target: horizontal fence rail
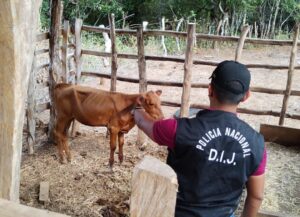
x=198, y=36
x=180, y=84
x=179, y=60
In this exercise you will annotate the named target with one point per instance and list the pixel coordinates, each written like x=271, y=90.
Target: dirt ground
x=86, y=187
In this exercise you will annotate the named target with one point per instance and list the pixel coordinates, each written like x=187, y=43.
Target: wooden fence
x=142, y=58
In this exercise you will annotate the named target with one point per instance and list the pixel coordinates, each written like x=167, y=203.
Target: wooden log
x=141, y=137
x=64, y=55
x=181, y=60
x=11, y=209
x=273, y=214
x=282, y=135
x=198, y=36
x=185, y=98
x=163, y=37
x=55, y=63
x=152, y=183
x=31, y=108
x=114, y=66
x=18, y=22
x=78, y=26
x=180, y=84
x=44, y=192
x=239, y=48
x=78, y=54
x=239, y=110
x=290, y=75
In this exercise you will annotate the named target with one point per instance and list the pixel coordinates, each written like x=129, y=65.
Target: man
x=214, y=154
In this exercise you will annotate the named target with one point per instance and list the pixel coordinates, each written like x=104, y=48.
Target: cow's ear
x=158, y=92
x=140, y=100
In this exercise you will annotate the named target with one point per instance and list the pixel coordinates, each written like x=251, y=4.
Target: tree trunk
x=274, y=19
x=55, y=69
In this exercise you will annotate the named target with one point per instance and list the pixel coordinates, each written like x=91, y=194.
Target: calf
x=94, y=107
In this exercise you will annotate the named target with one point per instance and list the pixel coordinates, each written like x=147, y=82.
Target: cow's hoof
x=121, y=159
x=63, y=161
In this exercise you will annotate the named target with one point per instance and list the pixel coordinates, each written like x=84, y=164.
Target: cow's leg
x=113, y=143
x=66, y=143
x=61, y=137
x=121, y=143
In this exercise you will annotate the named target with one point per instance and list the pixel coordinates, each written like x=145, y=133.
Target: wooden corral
x=188, y=61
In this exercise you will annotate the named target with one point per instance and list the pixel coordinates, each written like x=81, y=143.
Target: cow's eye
x=151, y=104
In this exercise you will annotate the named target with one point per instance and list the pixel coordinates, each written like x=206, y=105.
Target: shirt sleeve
x=164, y=132
x=262, y=166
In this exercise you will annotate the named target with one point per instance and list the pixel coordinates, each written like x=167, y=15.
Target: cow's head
x=150, y=101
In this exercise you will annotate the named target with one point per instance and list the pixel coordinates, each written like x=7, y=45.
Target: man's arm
x=255, y=192
x=144, y=122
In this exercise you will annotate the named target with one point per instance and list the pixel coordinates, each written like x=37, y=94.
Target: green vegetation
x=267, y=18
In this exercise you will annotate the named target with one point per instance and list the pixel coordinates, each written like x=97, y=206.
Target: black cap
x=231, y=76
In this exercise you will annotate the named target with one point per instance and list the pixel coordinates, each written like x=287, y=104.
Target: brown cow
x=94, y=107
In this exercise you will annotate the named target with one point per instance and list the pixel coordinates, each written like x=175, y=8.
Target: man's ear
x=210, y=90
x=246, y=96
x=158, y=92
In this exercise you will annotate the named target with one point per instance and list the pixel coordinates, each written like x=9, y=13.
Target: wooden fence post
x=293, y=57
x=78, y=25
x=141, y=138
x=163, y=37
x=55, y=63
x=154, y=189
x=114, y=66
x=185, y=98
x=31, y=108
x=240, y=45
x=64, y=56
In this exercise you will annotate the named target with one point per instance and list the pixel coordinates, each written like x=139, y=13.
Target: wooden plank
x=44, y=191
x=241, y=42
x=282, y=135
x=181, y=60
x=64, y=53
x=31, y=108
x=114, y=66
x=198, y=36
x=180, y=84
x=290, y=75
x=11, y=209
x=152, y=183
x=273, y=214
x=55, y=63
x=141, y=136
x=186, y=89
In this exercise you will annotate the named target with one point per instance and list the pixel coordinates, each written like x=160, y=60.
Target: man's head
x=230, y=83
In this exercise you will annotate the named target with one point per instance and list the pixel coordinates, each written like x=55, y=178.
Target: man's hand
x=255, y=192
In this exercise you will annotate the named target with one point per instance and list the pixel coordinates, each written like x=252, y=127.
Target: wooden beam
x=141, y=141
x=44, y=192
x=198, y=36
x=154, y=189
x=11, y=209
x=282, y=135
x=31, y=108
x=114, y=55
x=18, y=21
x=64, y=53
x=185, y=98
x=181, y=60
x=290, y=75
x=241, y=42
x=55, y=71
